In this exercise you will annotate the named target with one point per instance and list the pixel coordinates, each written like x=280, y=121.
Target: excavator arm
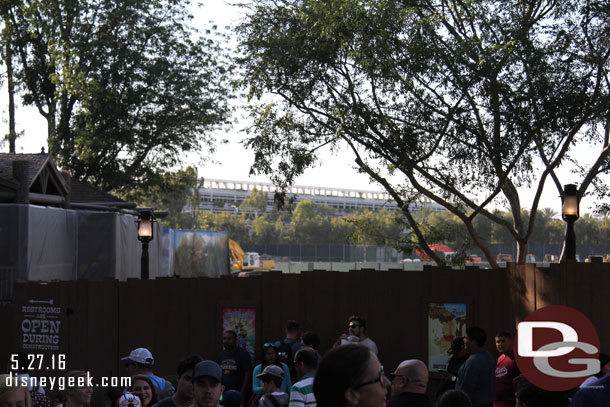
x=245, y=262
x=237, y=253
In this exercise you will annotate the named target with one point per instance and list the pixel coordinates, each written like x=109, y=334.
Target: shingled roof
x=83, y=192
x=36, y=164
x=44, y=178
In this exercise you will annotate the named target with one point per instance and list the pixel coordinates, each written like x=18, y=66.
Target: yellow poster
x=445, y=322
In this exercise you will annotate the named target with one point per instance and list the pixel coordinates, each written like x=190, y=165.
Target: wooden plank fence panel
x=7, y=320
x=204, y=326
x=177, y=317
x=499, y=308
x=326, y=319
x=138, y=321
x=393, y=320
x=308, y=295
x=273, y=300
x=170, y=306
x=547, y=286
x=601, y=303
x=102, y=335
x=521, y=284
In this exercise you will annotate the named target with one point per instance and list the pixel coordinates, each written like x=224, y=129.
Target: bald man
x=409, y=383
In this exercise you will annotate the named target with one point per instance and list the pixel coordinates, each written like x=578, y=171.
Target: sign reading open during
x=40, y=325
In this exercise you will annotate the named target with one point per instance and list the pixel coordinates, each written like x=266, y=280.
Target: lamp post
x=569, y=213
x=145, y=235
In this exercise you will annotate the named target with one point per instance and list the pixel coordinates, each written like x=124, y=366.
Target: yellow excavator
x=247, y=261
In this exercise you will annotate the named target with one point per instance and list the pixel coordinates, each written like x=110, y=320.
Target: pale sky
x=233, y=161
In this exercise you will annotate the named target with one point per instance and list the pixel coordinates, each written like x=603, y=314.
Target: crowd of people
x=294, y=374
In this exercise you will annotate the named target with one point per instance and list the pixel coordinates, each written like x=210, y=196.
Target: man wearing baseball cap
x=272, y=377
x=140, y=361
x=207, y=387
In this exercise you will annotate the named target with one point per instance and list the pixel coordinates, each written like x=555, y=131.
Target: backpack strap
x=273, y=400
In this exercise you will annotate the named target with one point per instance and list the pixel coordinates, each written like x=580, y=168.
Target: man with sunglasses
x=409, y=383
x=356, y=327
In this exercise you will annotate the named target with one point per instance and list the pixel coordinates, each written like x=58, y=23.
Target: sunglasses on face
x=379, y=380
x=353, y=326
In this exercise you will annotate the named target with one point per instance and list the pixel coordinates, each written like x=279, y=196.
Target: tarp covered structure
x=46, y=243
x=195, y=253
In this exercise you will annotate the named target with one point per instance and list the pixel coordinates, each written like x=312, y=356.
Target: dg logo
x=557, y=348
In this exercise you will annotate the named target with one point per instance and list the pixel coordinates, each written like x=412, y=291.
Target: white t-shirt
x=368, y=342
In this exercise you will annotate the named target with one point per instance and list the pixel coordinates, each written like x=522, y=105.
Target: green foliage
x=309, y=224
x=126, y=87
x=175, y=192
x=255, y=203
x=342, y=230
x=264, y=230
x=445, y=227
x=312, y=223
x=549, y=227
x=381, y=228
x=464, y=102
x=236, y=225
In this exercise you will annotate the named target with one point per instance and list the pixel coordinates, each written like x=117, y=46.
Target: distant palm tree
x=549, y=213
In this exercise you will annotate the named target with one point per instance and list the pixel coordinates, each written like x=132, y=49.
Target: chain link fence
x=348, y=253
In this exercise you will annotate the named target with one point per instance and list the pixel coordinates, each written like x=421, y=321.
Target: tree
x=342, y=231
x=548, y=227
x=175, y=192
x=264, y=231
x=309, y=224
x=256, y=202
x=236, y=226
x=381, y=228
x=589, y=229
x=458, y=102
x=7, y=55
x=126, y=87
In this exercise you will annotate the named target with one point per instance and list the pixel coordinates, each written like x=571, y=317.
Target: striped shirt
x=301, y=394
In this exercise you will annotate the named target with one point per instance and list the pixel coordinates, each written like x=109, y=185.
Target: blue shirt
x=234, y=367
x=596, y=394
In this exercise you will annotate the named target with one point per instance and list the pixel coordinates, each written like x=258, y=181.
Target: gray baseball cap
x=207, y=368
x=272, y=370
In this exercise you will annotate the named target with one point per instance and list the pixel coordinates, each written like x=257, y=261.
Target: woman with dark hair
x=270, y=357
x=350, y=375
x=142, y=386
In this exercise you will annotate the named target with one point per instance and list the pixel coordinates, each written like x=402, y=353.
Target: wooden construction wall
x=177, y=317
